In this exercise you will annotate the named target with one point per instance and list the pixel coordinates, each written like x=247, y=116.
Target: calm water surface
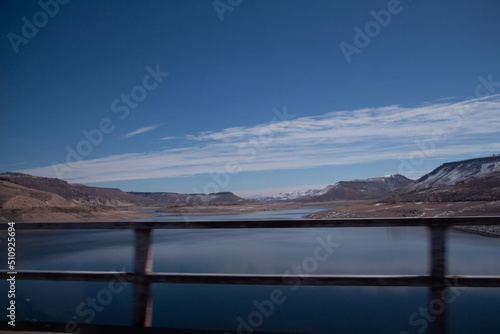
x=299, y=309
x=262, y=215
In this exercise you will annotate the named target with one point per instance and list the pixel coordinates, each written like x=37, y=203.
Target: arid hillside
x=22, y=204
x=78, y=193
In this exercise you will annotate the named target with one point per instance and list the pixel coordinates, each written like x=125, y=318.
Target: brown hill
x=18, y=203
x=175, y=198
x=78, y=193
x=14, y=196
x=112, y=196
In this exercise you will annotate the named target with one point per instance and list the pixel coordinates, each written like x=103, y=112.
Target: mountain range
x=176, y=198
x=368, y=189
x=467, y=180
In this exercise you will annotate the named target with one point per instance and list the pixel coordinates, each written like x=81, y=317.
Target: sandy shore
x=103, y=216
x=47, y=215
x=455, y=209
x=249, y=208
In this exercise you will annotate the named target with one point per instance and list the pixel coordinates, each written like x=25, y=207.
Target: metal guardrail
x=143, y=274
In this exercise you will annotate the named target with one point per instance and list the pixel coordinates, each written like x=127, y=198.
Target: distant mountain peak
x=288, y=196
x=197, y=198
x=451, y=173
x=371, y=188
x=363, y=189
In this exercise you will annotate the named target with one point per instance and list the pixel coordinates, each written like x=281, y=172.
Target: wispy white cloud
x=449, y=98
x=14, y=164
x=141, y=130
x=335, y=138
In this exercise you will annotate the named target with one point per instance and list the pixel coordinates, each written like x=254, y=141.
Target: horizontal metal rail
x=58, y=327
x=261, y=279
x=143, y=276
x=232, y=224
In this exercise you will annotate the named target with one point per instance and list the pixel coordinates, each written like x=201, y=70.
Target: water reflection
x=292, y=214
x=395, y=250
x=74, y=250
x=360, y=251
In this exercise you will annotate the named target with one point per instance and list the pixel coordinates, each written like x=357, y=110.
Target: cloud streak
x=335, y=138
x=140, y=130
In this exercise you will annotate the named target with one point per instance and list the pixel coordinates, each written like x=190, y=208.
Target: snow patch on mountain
x=452, y=173
x=325, y=190
x=284, y=196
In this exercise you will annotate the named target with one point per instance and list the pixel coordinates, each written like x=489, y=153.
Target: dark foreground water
x=288, y=309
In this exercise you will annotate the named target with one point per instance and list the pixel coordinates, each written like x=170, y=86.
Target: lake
x=260, y=215
x=296, y=308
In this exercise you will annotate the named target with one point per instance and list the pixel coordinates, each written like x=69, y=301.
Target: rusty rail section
x=437, y=281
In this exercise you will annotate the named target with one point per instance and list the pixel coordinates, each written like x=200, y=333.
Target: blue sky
x=166, y=96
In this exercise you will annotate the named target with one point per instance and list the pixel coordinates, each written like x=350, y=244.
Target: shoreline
x=57, y=217
x=446, y=209
x=341, y=210
x=482, y=230
x=250, y=208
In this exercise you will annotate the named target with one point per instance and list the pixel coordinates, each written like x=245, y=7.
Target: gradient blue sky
x=414, y=97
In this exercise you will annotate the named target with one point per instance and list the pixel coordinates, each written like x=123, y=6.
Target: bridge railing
x=143, y=275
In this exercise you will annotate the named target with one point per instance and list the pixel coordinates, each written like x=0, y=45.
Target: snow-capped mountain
x=483, y=187
x=460, y=181
x=255, y=197
x=452, y=173
x=372, y=188
x=284, y=196
x=377, y=188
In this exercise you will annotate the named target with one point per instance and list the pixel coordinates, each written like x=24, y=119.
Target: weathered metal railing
x=143, y=274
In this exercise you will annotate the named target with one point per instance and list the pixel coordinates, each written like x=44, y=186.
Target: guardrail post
x=142, y=307
x=437, y=306
x=438, y=251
